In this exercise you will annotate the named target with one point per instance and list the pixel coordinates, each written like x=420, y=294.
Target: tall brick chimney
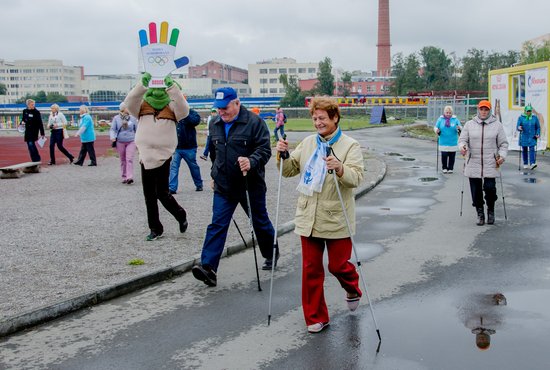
x=384, y=52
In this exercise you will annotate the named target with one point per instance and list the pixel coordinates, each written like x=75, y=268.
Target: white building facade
x=23, y=77
x=263, y=77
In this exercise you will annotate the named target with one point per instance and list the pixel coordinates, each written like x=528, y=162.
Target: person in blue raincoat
x=529, y=128
x=447, y=128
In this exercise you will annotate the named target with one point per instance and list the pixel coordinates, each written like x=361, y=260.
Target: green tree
x=294, y=97
x=406, y=74
x=436, y=66
x=533, y=54
x=474, y=74
x=345, y=87
x=3, y=89
x=325, y=86
x=54, y=97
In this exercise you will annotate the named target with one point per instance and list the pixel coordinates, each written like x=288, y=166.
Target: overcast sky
x=102, y=35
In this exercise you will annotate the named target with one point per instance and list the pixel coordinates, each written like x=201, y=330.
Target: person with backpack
x=123, y=134
x=280, y=120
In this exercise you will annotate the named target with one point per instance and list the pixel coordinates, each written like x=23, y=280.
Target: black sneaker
x=198, y=188
x=183, y=225
x=268, y=263
x=153, y=236
x=205, y=274
x=173, y=192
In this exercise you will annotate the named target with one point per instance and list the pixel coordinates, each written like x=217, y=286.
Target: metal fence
x=464, y=108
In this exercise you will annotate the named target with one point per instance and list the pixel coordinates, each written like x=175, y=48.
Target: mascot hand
x=145, y=79
x=158, y=53
x=168, y=81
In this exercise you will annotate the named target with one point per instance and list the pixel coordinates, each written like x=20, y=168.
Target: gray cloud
x=102, y=36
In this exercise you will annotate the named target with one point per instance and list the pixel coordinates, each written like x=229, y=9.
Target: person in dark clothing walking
x=33, y=125
x=56, y=124
x=186, y=150
x=240, y=148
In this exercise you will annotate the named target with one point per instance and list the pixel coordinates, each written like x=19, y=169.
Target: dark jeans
x=33, y=151
x=206, y=147
x=155, y=187
x=222, y=212
x=448, y=160
x=478, y=186
x=529, y=151
x=190, y=157
x=281, y=130
x=86, y=148
x=57, y=138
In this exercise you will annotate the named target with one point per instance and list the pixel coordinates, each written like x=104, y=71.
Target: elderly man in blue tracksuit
x=529, y=127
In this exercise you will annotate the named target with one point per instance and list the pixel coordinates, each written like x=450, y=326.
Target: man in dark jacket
x=33, y=124
x=240, y=148
x=186, y=150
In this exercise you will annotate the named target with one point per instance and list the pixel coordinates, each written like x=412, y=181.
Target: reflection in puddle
x=408, y=159
x=394, y=154
x=530, y=180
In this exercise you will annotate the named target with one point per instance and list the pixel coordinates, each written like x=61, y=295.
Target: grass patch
x=421, y=130
x=136, y=262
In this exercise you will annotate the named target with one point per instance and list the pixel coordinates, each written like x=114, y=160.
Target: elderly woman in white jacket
x=484, y=142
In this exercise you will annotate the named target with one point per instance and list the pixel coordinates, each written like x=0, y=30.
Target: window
x=263, y=90
x=518, y=90
x=273, y=90
x=311, y=70
x=292, y=70
x=272, y=70
x=273, y=80
x=263, y=71
x=301, y=70
x=263, y=80
x=282, y=70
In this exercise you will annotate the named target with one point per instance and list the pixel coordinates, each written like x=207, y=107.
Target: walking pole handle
x=329, y=149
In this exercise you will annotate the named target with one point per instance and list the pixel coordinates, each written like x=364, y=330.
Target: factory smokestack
x=384, y=46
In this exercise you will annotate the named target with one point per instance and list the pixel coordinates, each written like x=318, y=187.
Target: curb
x=44, y=314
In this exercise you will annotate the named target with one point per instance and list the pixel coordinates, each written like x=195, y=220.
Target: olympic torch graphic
x=158, y=53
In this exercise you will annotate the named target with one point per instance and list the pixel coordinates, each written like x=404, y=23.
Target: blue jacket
x=187, y=134
x=449, y=135
x=87, y=132
x=530, y=129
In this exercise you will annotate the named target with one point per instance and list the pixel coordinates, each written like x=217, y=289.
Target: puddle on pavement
x=366, y=251
x=530, y=180
x=394, y=211
x=452, y=328
x=428, y=179
x=408, y=159
x=394, y=154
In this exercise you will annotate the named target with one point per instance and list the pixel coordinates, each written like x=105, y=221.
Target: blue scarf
x=315, y=171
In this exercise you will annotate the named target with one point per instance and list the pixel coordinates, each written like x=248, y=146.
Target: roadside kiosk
x=515, y=87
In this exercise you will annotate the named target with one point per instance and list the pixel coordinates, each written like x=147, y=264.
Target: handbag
x=113, y=144
x=65, y=133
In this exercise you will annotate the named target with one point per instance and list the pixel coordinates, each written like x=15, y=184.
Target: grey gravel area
x=71, y=230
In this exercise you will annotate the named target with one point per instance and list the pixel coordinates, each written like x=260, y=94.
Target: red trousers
x=313, y=274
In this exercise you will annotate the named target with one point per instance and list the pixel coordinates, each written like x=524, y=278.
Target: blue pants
x=190, y=157
x=529, y=150
x=281, y=129
x=222, y=212
x=206, y=147
x=33, y=151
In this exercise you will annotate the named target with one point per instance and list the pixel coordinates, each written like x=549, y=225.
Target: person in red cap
x=484, y=142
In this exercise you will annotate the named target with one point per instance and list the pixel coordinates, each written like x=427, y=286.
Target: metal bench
x=14, y=171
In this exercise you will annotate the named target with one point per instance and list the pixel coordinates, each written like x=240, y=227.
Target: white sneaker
x=450, y=171
x=445, y=171
x=525, y=167
x=353, y=303
x=316, y=328
x=533, y=166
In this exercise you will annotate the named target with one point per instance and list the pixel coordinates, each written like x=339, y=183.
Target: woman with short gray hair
x=123, y=134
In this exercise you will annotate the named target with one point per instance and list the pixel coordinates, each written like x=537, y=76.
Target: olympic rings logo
x=158, y=60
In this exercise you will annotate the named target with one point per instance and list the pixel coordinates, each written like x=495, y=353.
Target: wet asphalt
x=430, y=272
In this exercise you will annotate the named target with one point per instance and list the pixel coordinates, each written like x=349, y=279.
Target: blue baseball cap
x=223, y=96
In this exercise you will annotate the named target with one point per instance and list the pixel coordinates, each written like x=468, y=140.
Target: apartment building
x=23, y=77
x=263, y=77
x=222, y=73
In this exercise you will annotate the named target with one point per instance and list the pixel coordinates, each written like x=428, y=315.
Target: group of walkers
x=328, y=162
x=483, y=144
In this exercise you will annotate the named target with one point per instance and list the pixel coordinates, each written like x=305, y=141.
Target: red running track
x=13, y=150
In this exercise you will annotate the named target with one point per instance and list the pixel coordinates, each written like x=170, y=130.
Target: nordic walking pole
x=241, y=234
x=502, y=191
x=273, y=260
x=437, y=154
x=344, y=211
x=251, y=229
x=462, y=190
x=246, y=246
